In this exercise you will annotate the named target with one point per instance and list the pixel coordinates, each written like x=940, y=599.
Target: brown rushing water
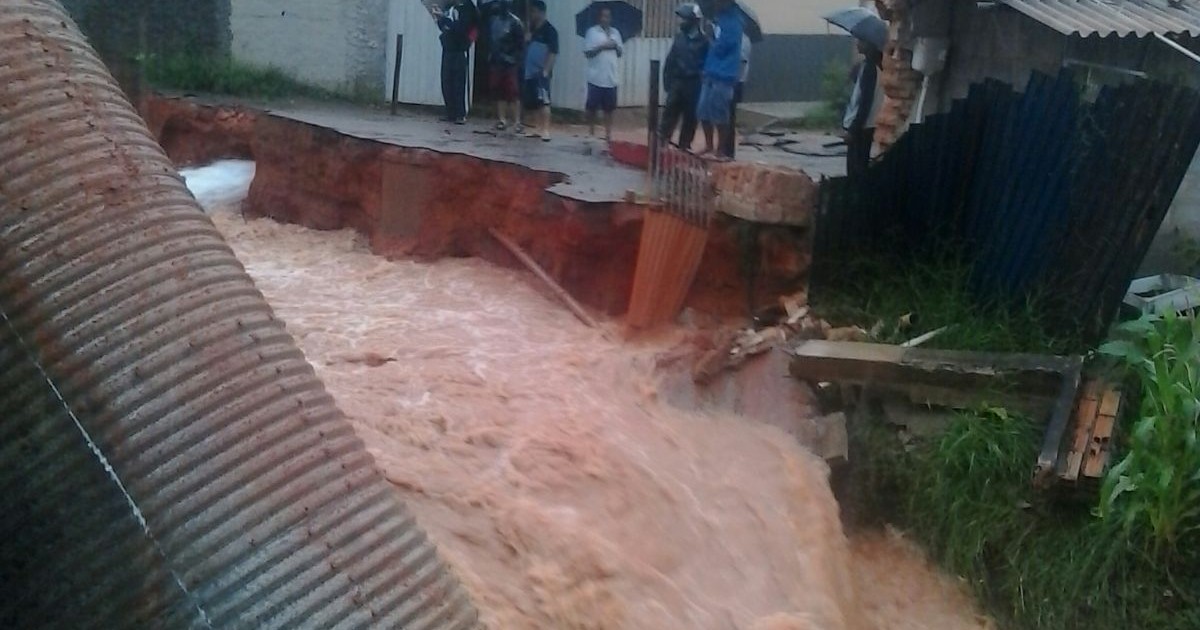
x=537, y=456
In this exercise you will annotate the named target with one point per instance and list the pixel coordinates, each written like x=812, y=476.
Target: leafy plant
x=1034, y=562
x=1154, y=491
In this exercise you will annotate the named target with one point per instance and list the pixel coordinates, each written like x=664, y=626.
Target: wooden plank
x=537, y=270
x=1085, y=419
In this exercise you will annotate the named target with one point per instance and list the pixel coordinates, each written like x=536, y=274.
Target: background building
x=350, y=46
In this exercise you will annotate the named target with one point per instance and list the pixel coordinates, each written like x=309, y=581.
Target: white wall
x=1180, y=229
x=328, y=43
x=420, y=67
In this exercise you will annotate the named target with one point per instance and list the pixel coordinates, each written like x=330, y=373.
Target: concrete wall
x=1176, y=248
x=790, y=67
x=336, y=45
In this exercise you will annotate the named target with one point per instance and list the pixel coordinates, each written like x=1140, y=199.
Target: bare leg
x=591, y=118
x=725, y=134
x=608, y=125
x=708, y=136
x=545, y=121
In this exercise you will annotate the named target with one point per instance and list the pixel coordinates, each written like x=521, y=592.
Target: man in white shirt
x=603, y=46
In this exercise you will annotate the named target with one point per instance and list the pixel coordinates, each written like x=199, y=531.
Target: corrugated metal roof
x=1113, y=17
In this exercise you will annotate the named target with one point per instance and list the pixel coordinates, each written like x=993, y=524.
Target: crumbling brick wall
x=901, y=84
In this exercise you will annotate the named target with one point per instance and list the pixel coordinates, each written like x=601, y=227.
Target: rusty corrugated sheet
x=1039, y=192
x=169, y=458
x=1113, y=17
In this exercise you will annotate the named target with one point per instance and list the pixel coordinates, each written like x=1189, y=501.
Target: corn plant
x=1154, y=491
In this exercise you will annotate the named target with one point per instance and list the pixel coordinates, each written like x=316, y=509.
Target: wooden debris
x=916, y=341
x=537, y=270
x=848, y=333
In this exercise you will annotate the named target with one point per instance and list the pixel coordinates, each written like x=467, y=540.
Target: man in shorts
x=540, y=54
x=722, y=68
x=507, y=40
x=603, y=47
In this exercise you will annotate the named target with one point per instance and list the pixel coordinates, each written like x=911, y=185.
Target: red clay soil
x=322, y=179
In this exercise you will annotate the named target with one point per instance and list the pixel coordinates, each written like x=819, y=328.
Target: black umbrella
x=862, y=24
x=626, y=18
x=753, y=28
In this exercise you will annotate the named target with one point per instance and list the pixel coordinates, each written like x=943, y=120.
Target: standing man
x=458, y=21
x=507, y=38
x=540, y=54
x=603, y=47
x=681, y=76
x=722, y=68
x=859, y=120
x=729, y=146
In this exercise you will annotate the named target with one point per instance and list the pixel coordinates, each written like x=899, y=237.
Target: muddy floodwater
x=539, y=457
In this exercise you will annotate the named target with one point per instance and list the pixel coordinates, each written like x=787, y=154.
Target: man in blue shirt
x=540, y=54
x=722, y=68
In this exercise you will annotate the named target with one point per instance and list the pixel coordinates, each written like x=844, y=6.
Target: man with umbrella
x=603, y=47
x=867, y=98
x=722, y=68
x=681, y=76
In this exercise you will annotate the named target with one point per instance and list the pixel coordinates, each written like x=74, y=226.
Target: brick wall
x=901, y=84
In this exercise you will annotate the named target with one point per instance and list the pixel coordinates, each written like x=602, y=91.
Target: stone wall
x=335, y=45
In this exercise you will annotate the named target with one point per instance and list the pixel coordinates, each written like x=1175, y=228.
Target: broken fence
x=1041, y=192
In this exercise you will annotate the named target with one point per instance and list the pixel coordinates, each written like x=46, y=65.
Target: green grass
x=223, y=75
x=1035, y=562
x=880, y=297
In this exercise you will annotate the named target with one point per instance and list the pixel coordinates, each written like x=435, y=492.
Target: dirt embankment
x=440, y=204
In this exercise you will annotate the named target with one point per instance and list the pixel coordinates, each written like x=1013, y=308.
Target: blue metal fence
x=1040, y=191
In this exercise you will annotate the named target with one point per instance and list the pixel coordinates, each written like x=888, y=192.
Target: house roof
x=1114, y=17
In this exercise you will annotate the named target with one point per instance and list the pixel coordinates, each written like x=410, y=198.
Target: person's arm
x=671, y=67
x=730, y=40
x=552, y=45
x=593, y=42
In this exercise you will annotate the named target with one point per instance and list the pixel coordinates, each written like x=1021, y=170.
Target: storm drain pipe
x=167, y=456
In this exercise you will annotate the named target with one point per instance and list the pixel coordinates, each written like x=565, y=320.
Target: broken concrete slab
x=1024, y=382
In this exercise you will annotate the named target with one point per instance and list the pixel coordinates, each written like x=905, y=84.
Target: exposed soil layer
x=442, y=204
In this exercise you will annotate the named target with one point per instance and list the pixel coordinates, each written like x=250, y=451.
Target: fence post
x=396, y=72
x=652, y=118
